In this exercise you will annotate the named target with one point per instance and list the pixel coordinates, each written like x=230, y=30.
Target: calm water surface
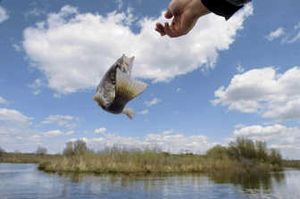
x=24, y=181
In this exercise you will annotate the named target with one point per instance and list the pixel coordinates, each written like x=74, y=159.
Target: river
x=25, y=181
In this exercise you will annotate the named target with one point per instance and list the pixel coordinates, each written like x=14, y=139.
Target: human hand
x=185, y=14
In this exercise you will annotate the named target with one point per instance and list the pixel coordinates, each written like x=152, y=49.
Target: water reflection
x=25, y=181
x=258, y=181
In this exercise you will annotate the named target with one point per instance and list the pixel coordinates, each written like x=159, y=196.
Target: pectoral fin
x=128, y=88
x=129, y=112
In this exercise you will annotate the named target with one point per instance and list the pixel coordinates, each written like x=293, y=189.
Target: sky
x=223, y=80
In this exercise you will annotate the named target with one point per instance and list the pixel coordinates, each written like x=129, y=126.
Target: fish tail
x=128, y=88
x=129, y=112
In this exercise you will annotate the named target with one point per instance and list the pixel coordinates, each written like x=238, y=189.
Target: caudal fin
x=128, y=88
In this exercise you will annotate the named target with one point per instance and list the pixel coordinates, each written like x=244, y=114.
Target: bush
x=217, y=152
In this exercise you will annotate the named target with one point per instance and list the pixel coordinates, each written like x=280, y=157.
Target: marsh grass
x=241, y=156
x=291, y=163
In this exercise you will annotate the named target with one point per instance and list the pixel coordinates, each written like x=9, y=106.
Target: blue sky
x=225, y=79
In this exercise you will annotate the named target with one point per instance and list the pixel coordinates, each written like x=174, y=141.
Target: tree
x=69, y=149
x=41, y=150
x=217, y=152
x=275, y=157
x=78, y=147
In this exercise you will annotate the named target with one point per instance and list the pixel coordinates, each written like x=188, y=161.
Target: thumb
x=168, y=14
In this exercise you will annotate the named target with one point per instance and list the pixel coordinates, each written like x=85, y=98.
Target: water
x=24, y=181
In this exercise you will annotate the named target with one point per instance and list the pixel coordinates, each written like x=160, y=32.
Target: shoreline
x=139, y=163
x=242, y=156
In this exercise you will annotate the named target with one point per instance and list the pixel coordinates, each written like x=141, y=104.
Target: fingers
x=166, y=29
x=168, y=14
x=170, y=31
x=160, y=29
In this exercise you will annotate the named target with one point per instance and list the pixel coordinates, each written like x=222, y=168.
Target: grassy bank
x=26, y=158
x=241, y=156
x=150, y=162
x=291, y=163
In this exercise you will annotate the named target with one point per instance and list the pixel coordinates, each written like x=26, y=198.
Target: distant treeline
x=291, y=163
x=242, y=156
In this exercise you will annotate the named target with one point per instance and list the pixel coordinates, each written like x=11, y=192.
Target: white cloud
x=286, y=139
x=264, y=91
x=75, y=49
x=286, y=36
x=294, y=38
x=3, y=101
x=56, y=133
x=27, y=138
x=279, y=32
x=144, y=112
x=36, y=86
x=20, y=132
x=100, y=130
x=14, y=116
x=240, y=68
x=53, y=133
x=168, y=141
x=3, y=14
x=153, y=102
x=65, y=121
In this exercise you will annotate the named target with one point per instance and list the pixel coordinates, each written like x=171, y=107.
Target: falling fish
x=117, y=88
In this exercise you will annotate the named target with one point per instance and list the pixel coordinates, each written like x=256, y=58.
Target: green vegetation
x=291, y=163
x=241, y=156
x=245, y=150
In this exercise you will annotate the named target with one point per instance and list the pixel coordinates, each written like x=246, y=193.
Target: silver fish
x=117, y=88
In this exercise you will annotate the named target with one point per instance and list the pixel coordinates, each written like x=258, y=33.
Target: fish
x=117, y=88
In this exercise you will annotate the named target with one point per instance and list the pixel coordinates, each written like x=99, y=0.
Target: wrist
x=200, y=8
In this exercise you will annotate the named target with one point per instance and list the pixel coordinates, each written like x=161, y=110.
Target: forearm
x=225, y=8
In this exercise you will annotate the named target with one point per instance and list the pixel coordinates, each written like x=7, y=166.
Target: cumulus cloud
x=286, y=139
x=27, y=138
x=65, y=121
x=279, y=32
x=167, y=141
x=73, y=50
x=264, y=91
x=3, y=14
x=14, y=116
x=19, y=132
x=100, y=130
